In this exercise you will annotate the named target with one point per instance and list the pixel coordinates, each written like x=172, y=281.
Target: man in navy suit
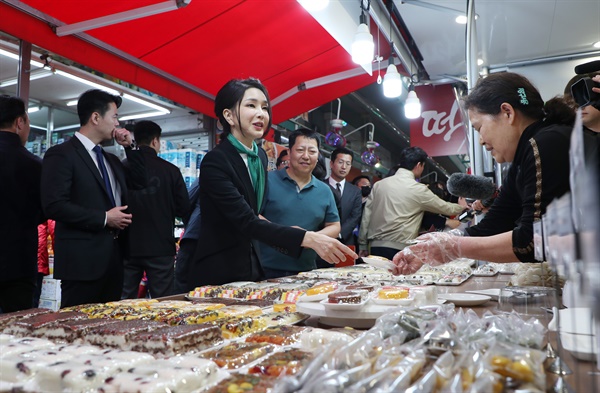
x=349, y=195
x=85, y=190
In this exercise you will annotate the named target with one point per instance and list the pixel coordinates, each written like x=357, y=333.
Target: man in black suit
x=85, y=190
x=151, y=238
x=349, y=195
x=20, y=207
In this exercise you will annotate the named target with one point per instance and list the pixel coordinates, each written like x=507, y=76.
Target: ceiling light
x=334, y=137
x=597, y=44
x=412, y=105
x=33, y=109
x=142, y=115
x=314, y=5
x=479, y=62
x=72, y=102
x=363, y=47
x=461, y=19
x=146, y=103
x=87, y=82
x=392, y=82
x=33, y=76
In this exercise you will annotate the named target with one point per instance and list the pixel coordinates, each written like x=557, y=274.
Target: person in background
x=151, y=236
x=21, y=210
x=394, y=211
x=85, y=190
x=516, y=126
x=188, y=241
x=45, y=240
x=283, y=160
x=364, y=184
x=233, y=186
x=349, y=195
x=590, y=118
x=297, y=198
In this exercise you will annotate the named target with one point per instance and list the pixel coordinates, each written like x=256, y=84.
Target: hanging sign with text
x=440, y=130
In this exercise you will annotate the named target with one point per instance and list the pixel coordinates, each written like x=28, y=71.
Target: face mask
x=365, y=190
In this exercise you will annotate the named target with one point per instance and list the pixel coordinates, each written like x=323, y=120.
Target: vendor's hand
x=406, y=262
x=123, y=137
x=435, y=248
x=329, y=249
x=463, y=202
x=117, y=218
x=478, y=206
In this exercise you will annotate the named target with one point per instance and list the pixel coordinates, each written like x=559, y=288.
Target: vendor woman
x=515, y=126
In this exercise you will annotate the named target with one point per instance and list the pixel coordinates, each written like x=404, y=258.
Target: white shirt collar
x=85, y=141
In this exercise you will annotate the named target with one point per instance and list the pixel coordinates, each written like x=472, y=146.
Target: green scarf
x=255, y=167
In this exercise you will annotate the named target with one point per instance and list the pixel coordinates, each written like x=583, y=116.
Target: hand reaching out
x=435, y=248
x=328, y=248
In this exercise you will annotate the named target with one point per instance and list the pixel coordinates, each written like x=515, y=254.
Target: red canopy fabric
x=203, y=44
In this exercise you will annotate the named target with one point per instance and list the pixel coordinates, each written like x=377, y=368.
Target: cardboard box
x=50, y=289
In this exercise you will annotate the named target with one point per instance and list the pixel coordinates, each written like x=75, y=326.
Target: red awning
x=194, y=50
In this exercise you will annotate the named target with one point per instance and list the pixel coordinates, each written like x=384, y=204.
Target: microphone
x=471, y=186
x=587, y=68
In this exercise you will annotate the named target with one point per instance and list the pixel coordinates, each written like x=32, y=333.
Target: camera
x=583, y=95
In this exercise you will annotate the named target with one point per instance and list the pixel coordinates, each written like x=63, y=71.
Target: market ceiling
x=187, y=54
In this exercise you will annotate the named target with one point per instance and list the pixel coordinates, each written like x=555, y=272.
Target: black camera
x=583, y=95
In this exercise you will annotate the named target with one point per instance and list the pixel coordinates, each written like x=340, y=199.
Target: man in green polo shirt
x=296, y=198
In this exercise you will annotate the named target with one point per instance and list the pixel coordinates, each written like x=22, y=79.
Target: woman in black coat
x=233, y=186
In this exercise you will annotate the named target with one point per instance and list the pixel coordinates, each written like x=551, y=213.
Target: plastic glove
x=434, y=248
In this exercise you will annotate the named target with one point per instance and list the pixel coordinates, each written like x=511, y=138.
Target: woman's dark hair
x=230, y=97
x=411, y=156
x=95, y=100
x=11, y=108
x=282, y=154
x=490, y=92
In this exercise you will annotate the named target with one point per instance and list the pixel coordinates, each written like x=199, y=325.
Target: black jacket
x=155, y=207
x=539, y=173
x=21, y=209
x=230, y=228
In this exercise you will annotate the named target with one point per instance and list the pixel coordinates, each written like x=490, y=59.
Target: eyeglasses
x=286, y=162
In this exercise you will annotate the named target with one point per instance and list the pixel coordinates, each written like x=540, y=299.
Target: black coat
x=155, y=207
x=230, y=228
x=21, y=210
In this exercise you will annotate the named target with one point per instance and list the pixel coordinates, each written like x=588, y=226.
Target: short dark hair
x=357, y=178
x=282, y=154
x=305, y=132
x=95, y=100
x=411, y=156
x=11, y=108
x=231, y=95
x=145, y=131
x=341, y=150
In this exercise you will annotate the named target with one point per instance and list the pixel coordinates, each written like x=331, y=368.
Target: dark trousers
x=105, y=289
x=187, y=247
x=17, y=294
x=385, y=252
x=160, y=272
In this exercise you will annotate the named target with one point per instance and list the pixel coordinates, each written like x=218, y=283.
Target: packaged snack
x=287, y=362
x=236, y=355
x=279, y=335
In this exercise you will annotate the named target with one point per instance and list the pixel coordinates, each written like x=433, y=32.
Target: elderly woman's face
x=496, y=134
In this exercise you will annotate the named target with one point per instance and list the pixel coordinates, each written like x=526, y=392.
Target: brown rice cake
x=174, y=340
x=7, y=318
x=74, y=331
x=237, y=354
x=116, y=335
x=36, y=325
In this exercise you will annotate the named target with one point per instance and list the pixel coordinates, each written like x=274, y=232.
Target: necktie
x=104, y=173
x=339, y=188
